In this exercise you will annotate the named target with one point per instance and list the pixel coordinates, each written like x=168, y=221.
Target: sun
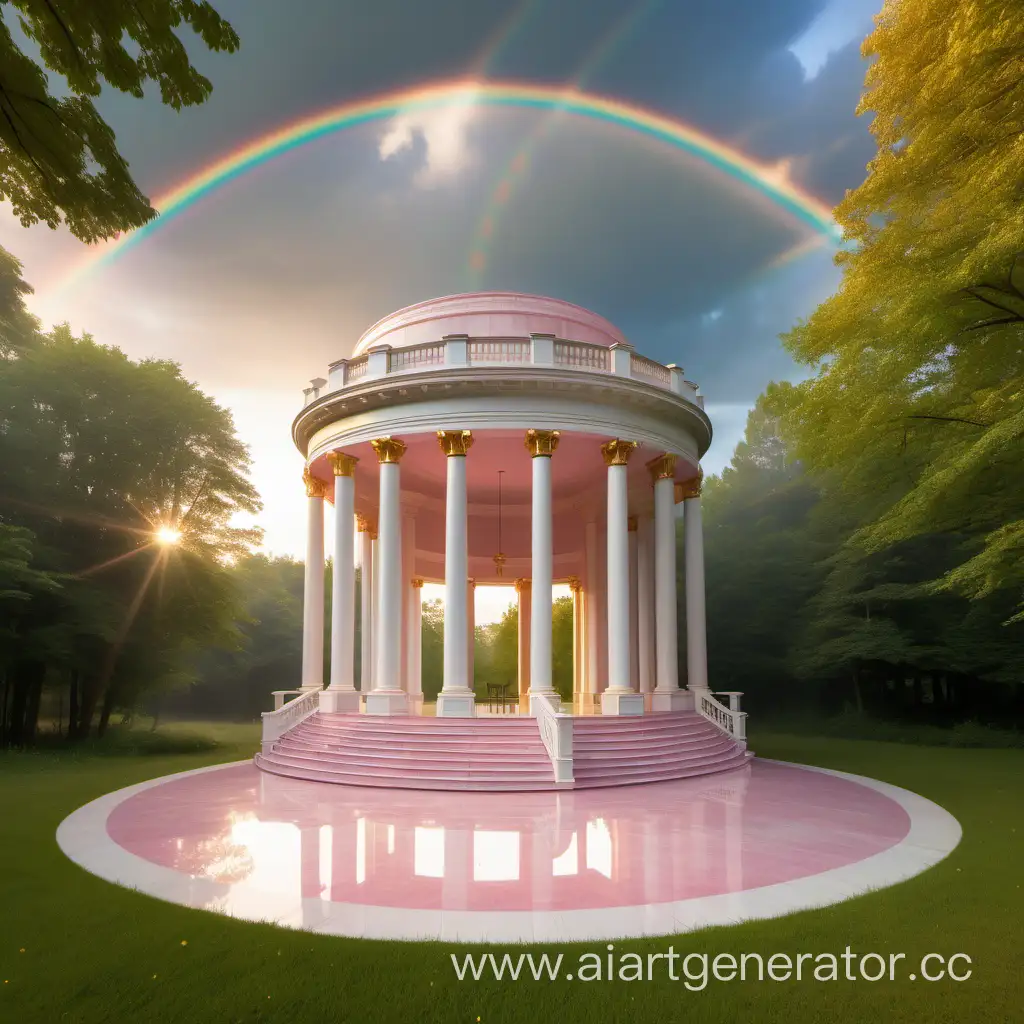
x=167, y=535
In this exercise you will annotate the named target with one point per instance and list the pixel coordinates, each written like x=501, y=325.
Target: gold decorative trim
x=522, y=584
x=541, y=443
x=362, y=525
x=388, y=449
x=471, y=583
x=342, y=463
x=575, y=585
x=689, y=488
x=499, y=563
x=417, y=583
x=455, y=442
x=631, y=524
x=663, y=467
x=617, y=452
x=315, y=487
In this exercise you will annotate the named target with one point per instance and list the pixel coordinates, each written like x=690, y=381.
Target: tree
x=58, y=157
x=918, y=399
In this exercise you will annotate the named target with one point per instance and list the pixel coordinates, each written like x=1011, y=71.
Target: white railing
x=431, y=354
x=357, y=368
x=729, y=720
x=276, y=723
x=556, y=732
x=641, y=366
x=581, y=355
x=499, y=350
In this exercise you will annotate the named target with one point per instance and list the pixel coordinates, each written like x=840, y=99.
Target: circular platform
x=656, y=859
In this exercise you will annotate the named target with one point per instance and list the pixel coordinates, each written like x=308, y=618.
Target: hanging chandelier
x=499, y=558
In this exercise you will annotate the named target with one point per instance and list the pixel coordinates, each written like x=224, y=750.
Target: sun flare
x=168, y=535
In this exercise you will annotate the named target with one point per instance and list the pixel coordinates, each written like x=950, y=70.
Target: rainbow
x=767, y=181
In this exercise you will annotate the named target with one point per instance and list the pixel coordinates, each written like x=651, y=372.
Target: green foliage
x=58, y=157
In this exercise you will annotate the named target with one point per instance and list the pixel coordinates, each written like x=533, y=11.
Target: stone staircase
x=497, y=753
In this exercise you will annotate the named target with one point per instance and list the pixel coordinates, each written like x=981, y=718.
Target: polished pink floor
x=761, y=825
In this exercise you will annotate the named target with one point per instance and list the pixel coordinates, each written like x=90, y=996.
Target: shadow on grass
x=169, y=739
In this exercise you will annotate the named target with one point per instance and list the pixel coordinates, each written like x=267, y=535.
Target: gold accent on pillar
x=372, y=531
x=471, y=582
x=631, y=524
x=388, y=449
x=362, y=525
x=417, y=583
x=499, y=562
x=455, y=442
x=521, y=584
x=575, y=585
x=315, y=487
x=541, y=443
x=663, y=467
x=342, y=463
x=689, y=488
x=617, y=452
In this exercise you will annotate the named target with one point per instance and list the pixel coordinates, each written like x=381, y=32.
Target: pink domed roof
x=489, y=315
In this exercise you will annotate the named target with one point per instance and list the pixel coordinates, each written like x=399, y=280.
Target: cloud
x=444, y=136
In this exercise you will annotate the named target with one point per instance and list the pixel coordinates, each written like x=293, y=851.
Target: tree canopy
x=59, y=161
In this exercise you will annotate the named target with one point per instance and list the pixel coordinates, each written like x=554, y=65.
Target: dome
x=489, y=315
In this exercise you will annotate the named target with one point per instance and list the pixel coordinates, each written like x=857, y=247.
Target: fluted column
x=341, y=694
x=619, y=698
x=576, y=588
x=365, y=605
x=667, y=695
x=541, y=445
x=456, y=697
x=415, y=685
x=313, y=588
x=409, y=597
x=590, y=615
x=387, y=696
x=645, y=604
x=634, y=605
x=693, y=570
x=523, y=637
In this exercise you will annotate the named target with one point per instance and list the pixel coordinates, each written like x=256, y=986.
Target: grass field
x=77, y=950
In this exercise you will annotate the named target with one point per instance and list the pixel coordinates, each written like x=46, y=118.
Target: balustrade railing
x=641, y=366
x=499, y=350
x=581, y=355
x=556, y=733
x=276, y=723
x=431, y=354
x=729, y=720
x=357, y=368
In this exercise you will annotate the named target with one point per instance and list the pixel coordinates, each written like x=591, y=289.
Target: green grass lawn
x=75, y=949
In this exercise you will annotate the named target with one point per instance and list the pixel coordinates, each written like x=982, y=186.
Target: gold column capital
x=522, y=584
x=417, y=583
x=631, y=524
x=388, y=449
x=342, y=463
x=361, y=524
x=455, y=442
x=541, y=443
x=471, y=582
x=663, y=467
x=690, y=488
x=315, y=487
x=617, y=452
x=575, y=585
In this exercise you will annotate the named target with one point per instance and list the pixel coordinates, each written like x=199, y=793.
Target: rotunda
x=495, y=438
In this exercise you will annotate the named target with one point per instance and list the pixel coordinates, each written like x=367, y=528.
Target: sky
x=260, y=285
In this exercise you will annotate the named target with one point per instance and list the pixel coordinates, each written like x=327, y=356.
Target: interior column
x=415, y=686
x=590, y=614
x=313, y=586
x=365, y=605
x=693, y=572
x=523, y=638
x=645, y=604
x=341, y=694
x=619, y=698
x=667, y=695
x=541, y=445
x=387, y=697
x=456, y=699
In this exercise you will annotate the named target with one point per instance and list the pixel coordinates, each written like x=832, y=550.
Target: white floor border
x=934, y=834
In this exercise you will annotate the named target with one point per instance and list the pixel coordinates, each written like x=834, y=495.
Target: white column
x=523, y=600
x=576, y=587
x=408, y=571
x=341, y=694
x=590, y=615
x=693, y=570
x=471, y=634
x=313, y=589
x=667, y=695
x=645, y=605
x=365, y=606
x=374, y=600
x=387, y=696
x=619, y=698
x=416, y=642
x=541, y=445
x=634, y=606
x=456, y=698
